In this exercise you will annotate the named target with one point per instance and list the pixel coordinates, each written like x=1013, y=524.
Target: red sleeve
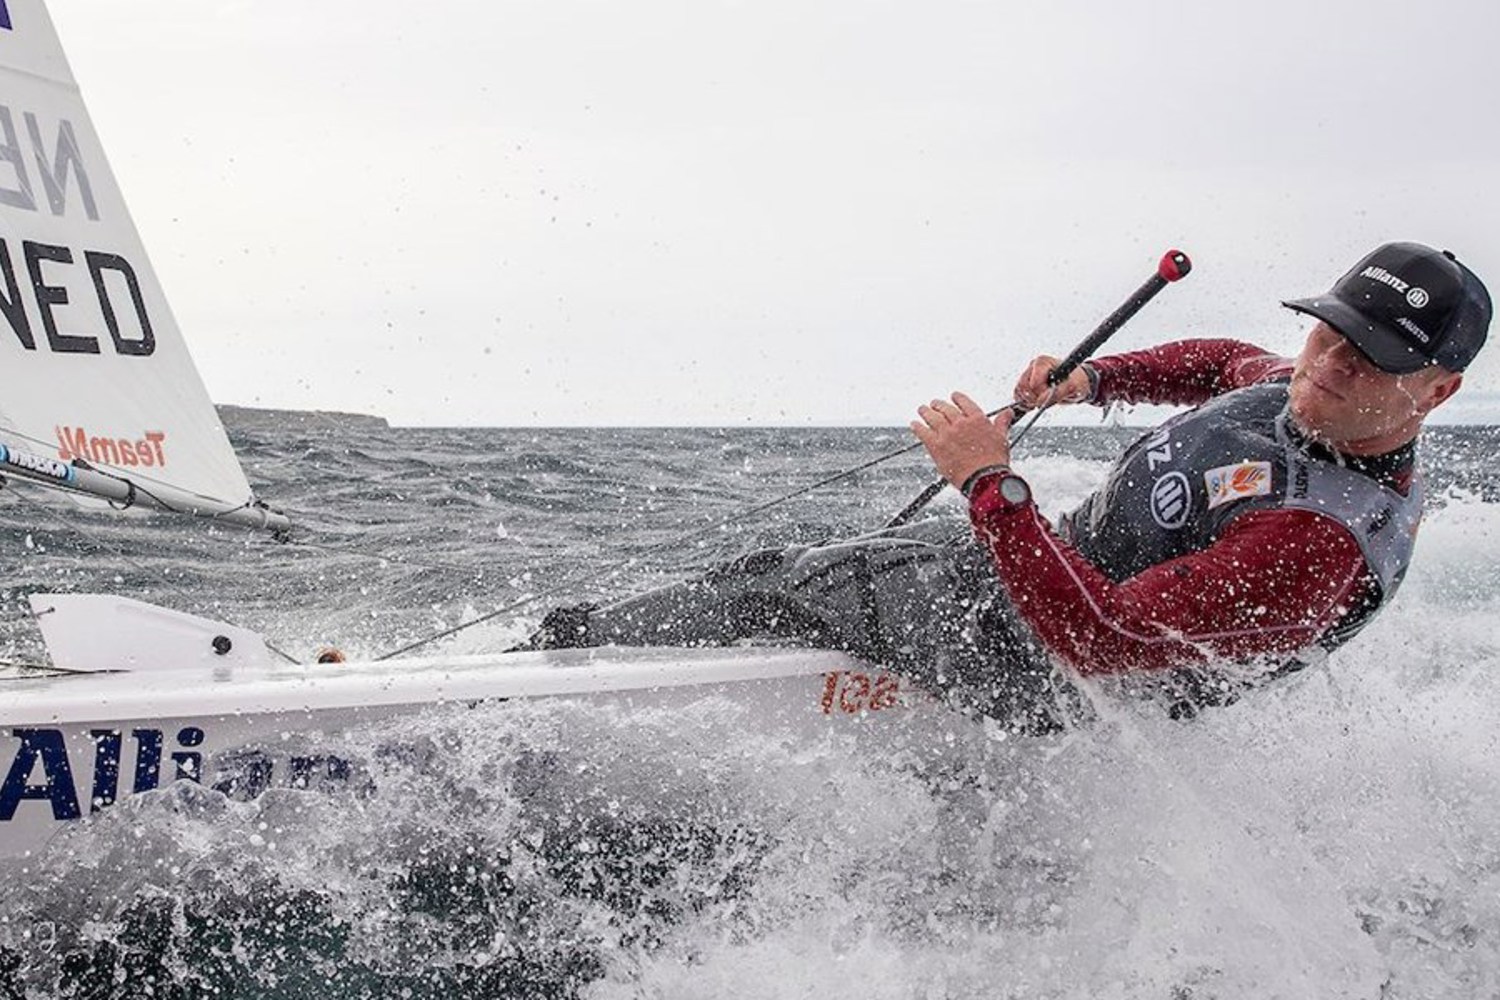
x=1273, y=583
x=1185, y=372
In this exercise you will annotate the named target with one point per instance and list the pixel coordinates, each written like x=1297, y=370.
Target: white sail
x=92, y=364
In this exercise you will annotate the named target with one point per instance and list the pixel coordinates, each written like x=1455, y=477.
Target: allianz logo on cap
x=1415, y=297
x=1385, y=277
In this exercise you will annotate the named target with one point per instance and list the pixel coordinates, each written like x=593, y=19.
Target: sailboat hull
x=73, y=746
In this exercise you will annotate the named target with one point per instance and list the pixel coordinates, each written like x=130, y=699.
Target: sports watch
x=1013, y=488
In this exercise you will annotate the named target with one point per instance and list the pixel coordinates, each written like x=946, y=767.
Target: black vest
x=1176, y=490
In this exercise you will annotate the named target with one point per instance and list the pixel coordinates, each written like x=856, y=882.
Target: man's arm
x=1185, y=372
x=1275, y=582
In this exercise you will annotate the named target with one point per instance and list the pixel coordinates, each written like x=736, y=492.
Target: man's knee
x=564, y=627
x=752, y=564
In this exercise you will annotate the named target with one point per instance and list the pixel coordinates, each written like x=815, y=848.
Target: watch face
x=1014, y=489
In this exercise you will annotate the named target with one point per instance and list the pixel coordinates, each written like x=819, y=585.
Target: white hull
x=73, y=745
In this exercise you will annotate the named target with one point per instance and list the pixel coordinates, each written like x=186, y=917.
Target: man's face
x=1341, y=398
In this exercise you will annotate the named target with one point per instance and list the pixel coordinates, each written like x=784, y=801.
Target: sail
x=92, y=365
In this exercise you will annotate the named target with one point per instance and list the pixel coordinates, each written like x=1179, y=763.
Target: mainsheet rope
x=614, y=569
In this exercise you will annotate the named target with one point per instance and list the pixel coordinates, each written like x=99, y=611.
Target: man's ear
x=1443, y=389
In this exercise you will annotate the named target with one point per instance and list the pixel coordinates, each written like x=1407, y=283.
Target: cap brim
x=1387, y=350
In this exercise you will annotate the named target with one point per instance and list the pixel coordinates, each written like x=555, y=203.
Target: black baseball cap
x=1407, y=306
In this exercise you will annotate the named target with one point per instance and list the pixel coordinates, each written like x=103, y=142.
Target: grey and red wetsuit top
x=1222, y=535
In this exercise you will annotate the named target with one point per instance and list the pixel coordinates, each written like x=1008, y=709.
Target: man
x=1269, y=522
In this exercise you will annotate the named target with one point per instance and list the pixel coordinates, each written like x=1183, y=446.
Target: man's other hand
x=960, y=438
x=1033, y=391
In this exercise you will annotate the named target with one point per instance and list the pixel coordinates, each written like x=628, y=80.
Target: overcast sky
x=703, y=212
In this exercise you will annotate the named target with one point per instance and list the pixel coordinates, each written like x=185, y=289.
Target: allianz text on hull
x=74, y=744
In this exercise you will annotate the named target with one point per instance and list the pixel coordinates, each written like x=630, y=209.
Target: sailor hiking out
x=1263, y=526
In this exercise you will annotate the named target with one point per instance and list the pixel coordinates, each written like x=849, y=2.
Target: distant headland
x=255, y=418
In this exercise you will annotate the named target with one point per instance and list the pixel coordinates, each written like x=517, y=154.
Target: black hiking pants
x=922, y=600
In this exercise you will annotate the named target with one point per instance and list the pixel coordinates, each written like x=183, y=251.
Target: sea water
x=1331, y=835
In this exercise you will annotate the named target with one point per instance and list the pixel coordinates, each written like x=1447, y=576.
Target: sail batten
x=93, y=368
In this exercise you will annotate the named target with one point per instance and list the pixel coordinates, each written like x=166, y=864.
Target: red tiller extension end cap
x=1174, y=265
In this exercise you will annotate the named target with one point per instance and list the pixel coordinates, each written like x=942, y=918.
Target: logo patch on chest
x=1229, y=483
x=1171, y=500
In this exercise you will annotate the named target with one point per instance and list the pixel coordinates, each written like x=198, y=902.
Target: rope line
x=398, y=560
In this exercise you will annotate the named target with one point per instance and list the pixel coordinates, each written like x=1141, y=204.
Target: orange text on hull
x=851, y=691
